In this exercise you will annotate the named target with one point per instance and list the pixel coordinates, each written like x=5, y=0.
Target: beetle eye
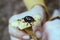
x=29, y=19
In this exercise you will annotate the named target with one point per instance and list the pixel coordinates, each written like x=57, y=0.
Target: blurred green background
x=11, y=7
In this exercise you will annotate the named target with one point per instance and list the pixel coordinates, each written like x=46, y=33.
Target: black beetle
x=28, y=19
